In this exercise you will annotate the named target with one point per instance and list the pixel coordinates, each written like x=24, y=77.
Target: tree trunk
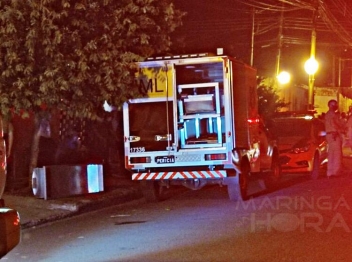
x=42, y=129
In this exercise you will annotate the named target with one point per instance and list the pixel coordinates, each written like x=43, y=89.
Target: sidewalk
x=36, y=211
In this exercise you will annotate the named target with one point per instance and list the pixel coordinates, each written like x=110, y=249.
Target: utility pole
x=311, y=75
x=312, y=65
x=279, y=48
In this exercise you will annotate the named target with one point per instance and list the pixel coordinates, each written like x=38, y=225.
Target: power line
x=333, y=24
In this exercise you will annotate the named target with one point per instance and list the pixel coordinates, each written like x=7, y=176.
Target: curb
x=66, y=208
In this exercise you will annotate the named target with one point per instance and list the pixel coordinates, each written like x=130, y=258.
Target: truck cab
x=197, y=123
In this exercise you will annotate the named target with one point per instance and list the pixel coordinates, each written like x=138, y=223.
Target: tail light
x=140, y=160
x=253, y=120
x=215, y=157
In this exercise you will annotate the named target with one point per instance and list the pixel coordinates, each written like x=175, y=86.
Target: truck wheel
x=151, y=190
x=316, y=167
x=274, y=176
x=237, y=187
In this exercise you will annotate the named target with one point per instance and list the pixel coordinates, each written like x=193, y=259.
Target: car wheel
x=274, y=176
x=237, y=187
x=316, y=167
x=151, y=190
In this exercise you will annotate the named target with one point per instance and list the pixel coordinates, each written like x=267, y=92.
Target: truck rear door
x=151, y=125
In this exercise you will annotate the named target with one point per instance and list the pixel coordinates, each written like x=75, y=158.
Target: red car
x=301, y=140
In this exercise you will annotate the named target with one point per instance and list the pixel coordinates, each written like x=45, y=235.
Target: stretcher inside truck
x=197, y=123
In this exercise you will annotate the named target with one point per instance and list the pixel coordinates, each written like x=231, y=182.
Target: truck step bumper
x=180, y=175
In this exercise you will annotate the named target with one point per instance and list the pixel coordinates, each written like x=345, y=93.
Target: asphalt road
x=304, y=220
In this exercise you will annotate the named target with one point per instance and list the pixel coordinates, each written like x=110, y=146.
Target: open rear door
x=151, y=125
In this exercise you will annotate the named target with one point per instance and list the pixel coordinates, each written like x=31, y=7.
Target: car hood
x=287, y=143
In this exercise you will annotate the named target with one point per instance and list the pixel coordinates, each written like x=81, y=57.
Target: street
x=304, y=220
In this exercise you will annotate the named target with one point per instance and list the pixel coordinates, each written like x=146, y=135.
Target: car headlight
x=300, y=149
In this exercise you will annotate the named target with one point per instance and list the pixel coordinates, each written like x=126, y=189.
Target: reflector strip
x=179, y=175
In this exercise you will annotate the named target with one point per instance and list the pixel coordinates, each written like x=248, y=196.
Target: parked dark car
x=302, y=143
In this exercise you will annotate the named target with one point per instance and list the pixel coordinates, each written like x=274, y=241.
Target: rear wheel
x=316, y=167
x=151, y=190
x=237, y=187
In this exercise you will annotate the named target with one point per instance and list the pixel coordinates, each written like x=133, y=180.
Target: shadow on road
x=256, y=187
x=287, y=180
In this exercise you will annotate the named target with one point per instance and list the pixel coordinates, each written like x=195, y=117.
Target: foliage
x=73, y=55
x=268, y=100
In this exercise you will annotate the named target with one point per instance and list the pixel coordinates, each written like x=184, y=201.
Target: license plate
x=164, y=159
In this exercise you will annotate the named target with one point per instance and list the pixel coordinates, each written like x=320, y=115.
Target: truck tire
x=316, y=167
x=151, y=190
x=237, y=187
x=273, y=178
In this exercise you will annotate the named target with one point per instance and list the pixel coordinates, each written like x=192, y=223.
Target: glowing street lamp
x=284, y=77
x=311, y=67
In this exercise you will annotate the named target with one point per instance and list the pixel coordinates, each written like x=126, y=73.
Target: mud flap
x=233, y=187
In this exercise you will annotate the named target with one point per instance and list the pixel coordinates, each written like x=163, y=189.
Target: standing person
x=349, y=128
x=334, y=129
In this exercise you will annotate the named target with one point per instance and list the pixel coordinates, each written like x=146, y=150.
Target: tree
x=268, y=100
x=73, y=55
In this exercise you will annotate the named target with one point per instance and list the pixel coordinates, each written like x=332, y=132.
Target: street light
x=284, y=77
x=311, y=67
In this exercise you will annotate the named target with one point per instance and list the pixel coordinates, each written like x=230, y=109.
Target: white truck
x=197, y=123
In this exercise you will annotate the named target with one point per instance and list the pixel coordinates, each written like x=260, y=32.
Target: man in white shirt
x=334, y=130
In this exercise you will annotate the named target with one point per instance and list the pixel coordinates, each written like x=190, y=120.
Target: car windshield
x=286, y=127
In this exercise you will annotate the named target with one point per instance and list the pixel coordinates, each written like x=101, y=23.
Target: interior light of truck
x=215, y=157
x=138, y=160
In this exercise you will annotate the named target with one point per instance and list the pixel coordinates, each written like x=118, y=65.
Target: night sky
x=228, y=24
